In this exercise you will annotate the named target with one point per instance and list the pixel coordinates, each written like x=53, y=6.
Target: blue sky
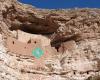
x=56, y=4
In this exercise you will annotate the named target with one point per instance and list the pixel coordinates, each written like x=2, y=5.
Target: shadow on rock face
x=94, y=78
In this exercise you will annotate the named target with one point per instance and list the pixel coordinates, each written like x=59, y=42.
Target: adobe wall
x=22, y=48
x=25, y=37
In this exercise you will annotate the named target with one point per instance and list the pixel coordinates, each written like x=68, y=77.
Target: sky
x=63, y=4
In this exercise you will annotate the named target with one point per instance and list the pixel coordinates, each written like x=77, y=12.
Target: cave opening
x=29, y=29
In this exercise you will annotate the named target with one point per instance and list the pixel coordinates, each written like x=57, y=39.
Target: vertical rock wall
x=71, y=39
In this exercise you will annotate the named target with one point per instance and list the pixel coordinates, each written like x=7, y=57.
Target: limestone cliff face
x=70, y=40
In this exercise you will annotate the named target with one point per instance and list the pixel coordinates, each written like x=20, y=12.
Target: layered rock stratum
x=70, y=39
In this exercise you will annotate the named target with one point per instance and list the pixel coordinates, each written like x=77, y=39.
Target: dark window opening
x=13, y=42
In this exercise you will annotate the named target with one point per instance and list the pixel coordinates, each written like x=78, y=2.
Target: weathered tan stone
x=77, y=30
x=69, y=45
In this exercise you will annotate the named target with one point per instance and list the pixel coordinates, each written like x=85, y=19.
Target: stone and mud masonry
x=43, y=44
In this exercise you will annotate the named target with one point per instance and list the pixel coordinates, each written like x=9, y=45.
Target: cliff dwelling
x=25, y=43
